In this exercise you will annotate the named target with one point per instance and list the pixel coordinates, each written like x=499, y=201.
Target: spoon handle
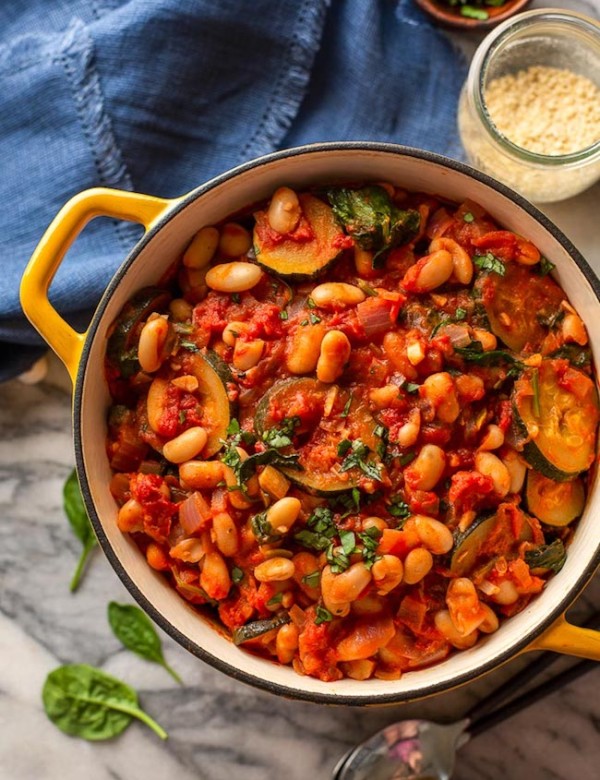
x=528, y=698
x=520, y=680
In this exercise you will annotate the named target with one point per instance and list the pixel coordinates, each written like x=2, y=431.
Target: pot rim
x=78, y=408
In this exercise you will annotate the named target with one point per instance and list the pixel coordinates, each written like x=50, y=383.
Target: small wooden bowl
x=450, y=16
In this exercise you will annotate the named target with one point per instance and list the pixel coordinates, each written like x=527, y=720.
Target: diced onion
x=194, y=513
x=374, y=314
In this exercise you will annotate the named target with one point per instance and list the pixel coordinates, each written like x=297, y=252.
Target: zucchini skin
x=532, y=453
x=258, y=628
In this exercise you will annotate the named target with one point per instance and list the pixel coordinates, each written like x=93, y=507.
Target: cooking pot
x=169, y=226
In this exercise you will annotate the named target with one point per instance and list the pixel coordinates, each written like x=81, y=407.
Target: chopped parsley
x=337, y=558
x=474, y=13
x=304, y=322
x=320, y=530
x=235, y=297
x=263, y=530
x=283, y=315
x=407, y=458
x=237, y=575
x=310, y=303
x=322, y=615
x=489, y=262
x=182, y=416
x=314, y=319
x=468, y=217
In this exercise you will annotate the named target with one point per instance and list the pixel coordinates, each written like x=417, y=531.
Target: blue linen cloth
x=159, y=95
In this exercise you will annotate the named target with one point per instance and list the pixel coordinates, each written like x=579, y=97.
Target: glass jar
x=557, y=39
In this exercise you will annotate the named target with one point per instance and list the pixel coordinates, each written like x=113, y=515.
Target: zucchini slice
x=212, y=375
x=468, y=544
x=212, y=397
x=318, y=447
x=556, y=426
x=121, y=349
x=518, y=303
x=258, y=627
x=554, y=503
x=302, y=259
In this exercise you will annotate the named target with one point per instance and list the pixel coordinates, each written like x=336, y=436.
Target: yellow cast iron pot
x=170, y=225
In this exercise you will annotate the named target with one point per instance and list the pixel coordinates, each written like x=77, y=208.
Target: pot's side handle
x=563, y=637
x=49, y=253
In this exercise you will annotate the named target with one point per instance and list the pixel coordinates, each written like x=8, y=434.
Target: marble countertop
x=218, y=728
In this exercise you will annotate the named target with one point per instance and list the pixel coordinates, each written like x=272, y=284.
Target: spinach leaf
x=475, y=353
x=547, y=556
x=85, y=702
x=398, y=508
x=135, y=630
x=321, y=530
x=272, y=457
x=80, y=524
x=370, y=539
x=370, y=217
x=580, y=357
x=282, y=436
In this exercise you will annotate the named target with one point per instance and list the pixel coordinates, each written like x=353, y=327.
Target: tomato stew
x=357, y=423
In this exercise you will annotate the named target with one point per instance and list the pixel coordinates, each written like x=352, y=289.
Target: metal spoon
x=424, y=750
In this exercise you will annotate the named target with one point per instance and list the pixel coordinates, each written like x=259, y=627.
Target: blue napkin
x=159, y=95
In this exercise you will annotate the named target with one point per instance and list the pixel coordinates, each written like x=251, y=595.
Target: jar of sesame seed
x=529, y=112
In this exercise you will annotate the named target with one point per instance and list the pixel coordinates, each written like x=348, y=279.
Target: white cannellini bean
x=283, y=513
x=246, y=354
x=335, y=353
x=427, y=468
x=284, y=210
x=436, y=537
x=440, y=391
x=232, y=330
x=462, y=264
x=417, y=564
x=233, y=277
x=336, y=295
x=409, y=432
x=492, y=438
x=304, y=349
x=152, y=340
x=490, y=465
x=430, y=272
x=517, y=469
x=185, y=446
x=202, y=249
x=275, y=570
x=235, y=240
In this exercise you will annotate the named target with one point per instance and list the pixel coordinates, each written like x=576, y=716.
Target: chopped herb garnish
x=411, y=387
x=370, y=539
x=304, y=322
x=263, y=530
x=407, y=458
x=460, y=314
x=546, y=266
x=489, y=262
x=314, y=319
x=320, y=530
x=347, y=405
x=380, y=430
x=182, y=416
x=322, y=615
x=233, y=428
x=282, y=436
x=337, y=558
x=475, y=353
x=310, y=303
x=275, y=600
x=474, y=13
x=357, y=458
x=312, y=579
x=283, y=315
x=190, y=346
x=468, y=217
x=343, y=447
x=551, y=320
x=235, y=297
x=348, y=541
x=237, y=575
x=398, y=508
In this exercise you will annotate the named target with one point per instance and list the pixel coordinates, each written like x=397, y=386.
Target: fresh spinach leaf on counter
x=85, y=702
x=369, y=216
x=80, y=524
x=134, y=629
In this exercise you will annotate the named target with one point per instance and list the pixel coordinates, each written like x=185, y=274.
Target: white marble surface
x=218, y=728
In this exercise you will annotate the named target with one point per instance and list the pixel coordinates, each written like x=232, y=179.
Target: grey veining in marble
x=219, y=729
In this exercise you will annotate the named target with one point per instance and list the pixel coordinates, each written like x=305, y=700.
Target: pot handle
x=49, y=253
x=563, y=637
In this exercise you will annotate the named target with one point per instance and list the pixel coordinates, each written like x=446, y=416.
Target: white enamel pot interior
x=163, y=244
